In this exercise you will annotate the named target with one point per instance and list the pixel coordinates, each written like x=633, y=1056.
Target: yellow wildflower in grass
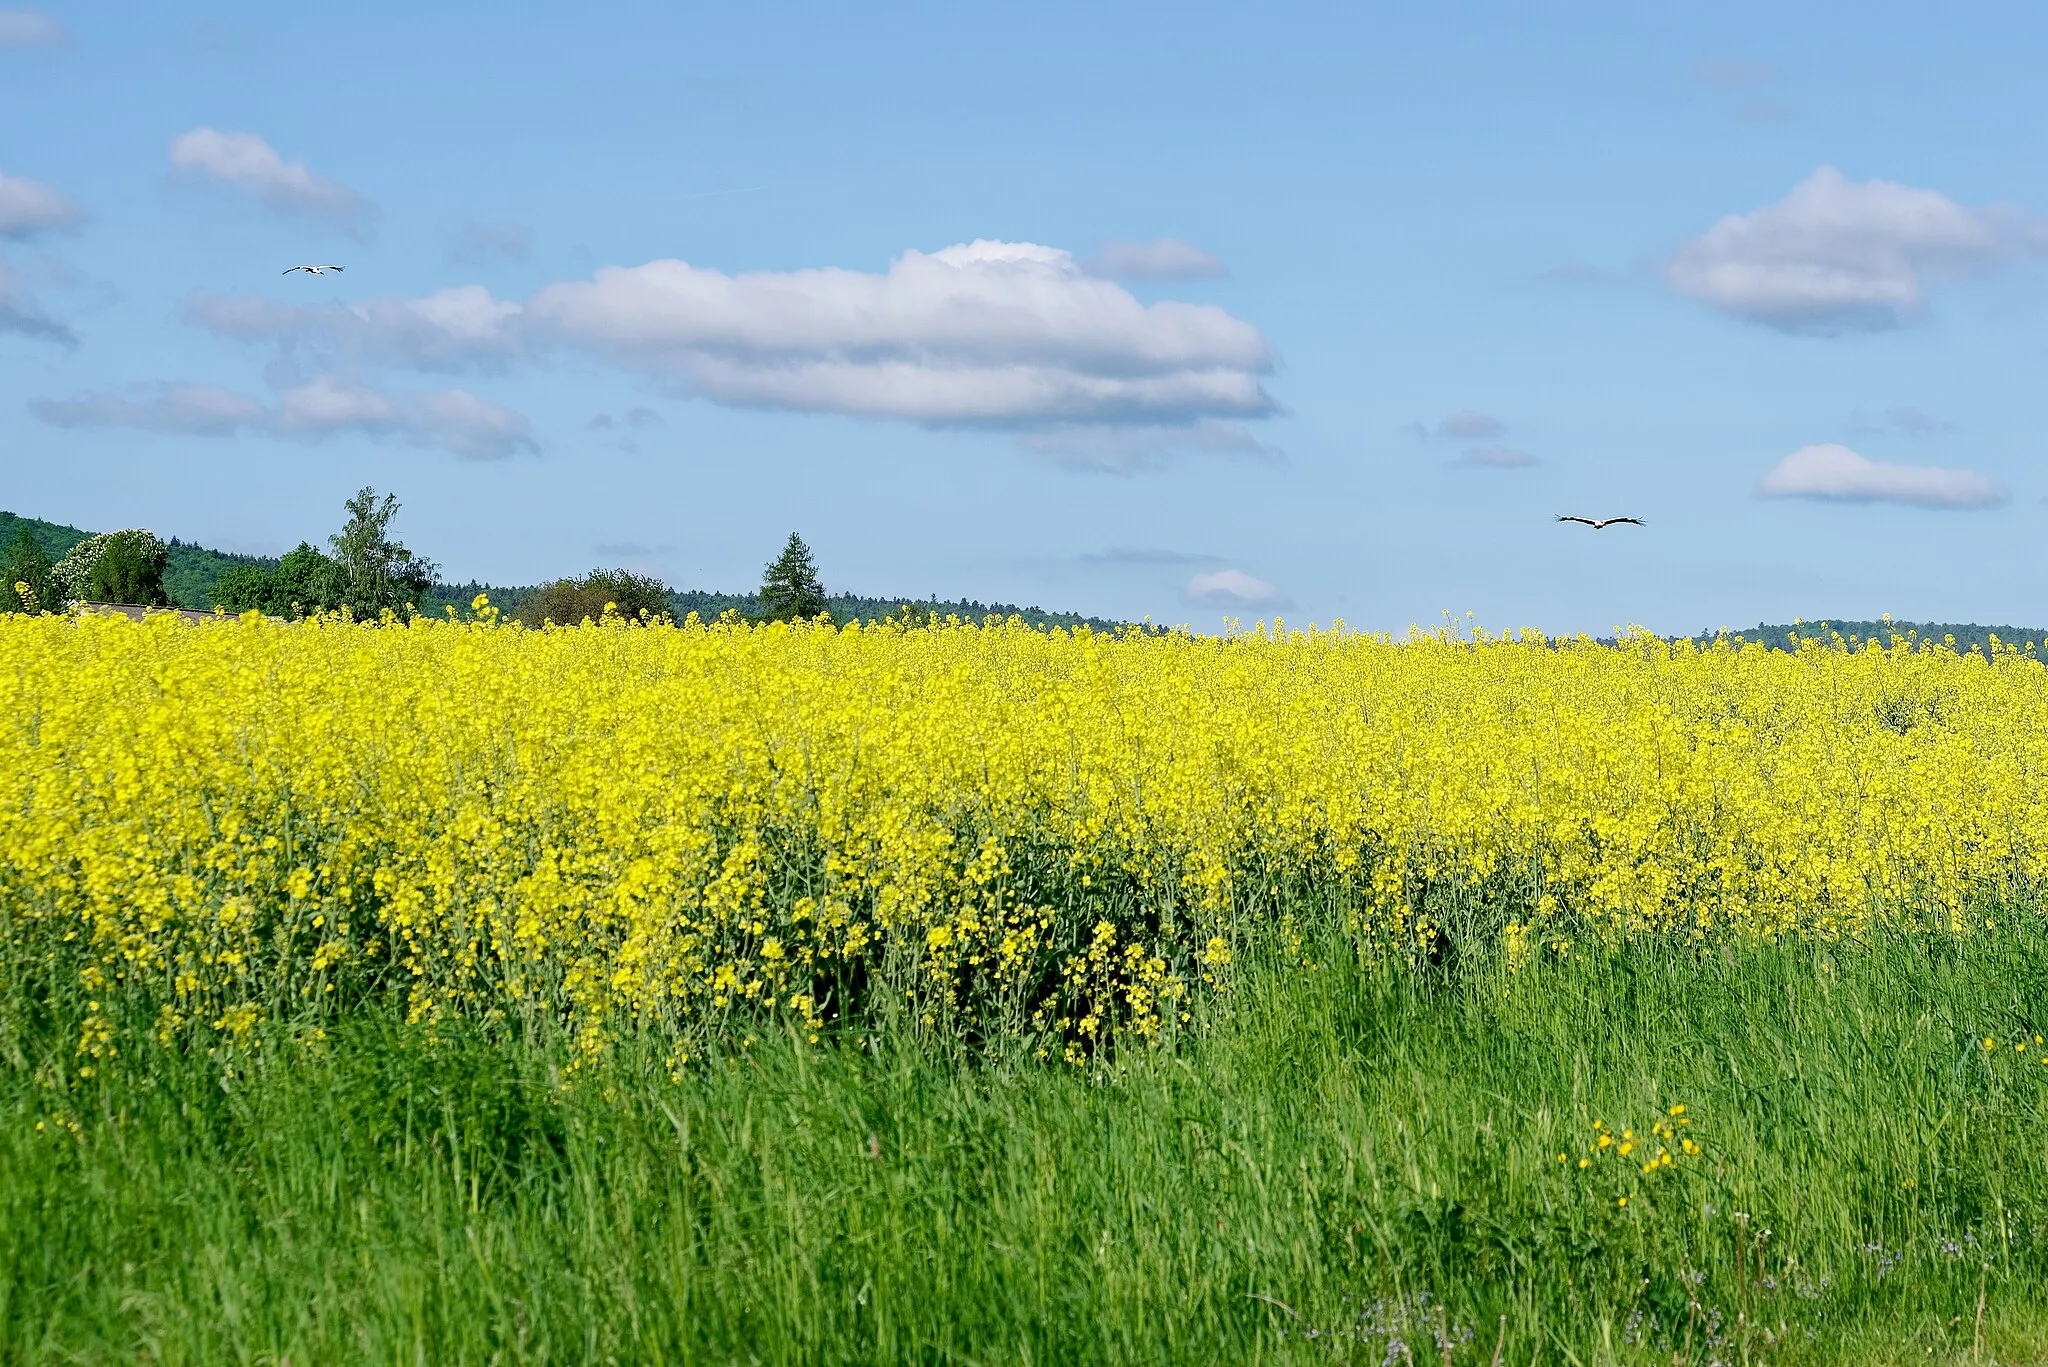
x=1017, y=834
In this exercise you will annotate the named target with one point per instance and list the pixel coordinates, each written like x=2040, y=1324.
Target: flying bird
x=314, y=270
x=1596, y=523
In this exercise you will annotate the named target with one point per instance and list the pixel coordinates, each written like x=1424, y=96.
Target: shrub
x=567, y=602
x=115, y=567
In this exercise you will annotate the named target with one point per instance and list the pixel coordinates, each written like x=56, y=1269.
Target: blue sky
x=1323, y=310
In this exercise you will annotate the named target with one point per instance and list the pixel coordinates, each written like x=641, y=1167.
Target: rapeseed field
x=1035, y=838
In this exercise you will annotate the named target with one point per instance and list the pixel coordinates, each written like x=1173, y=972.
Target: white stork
x=1597, y=523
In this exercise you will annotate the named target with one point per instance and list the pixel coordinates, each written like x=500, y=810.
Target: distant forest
x=193, y=570
x=1968, y=636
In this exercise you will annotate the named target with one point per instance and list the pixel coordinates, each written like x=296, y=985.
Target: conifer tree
x=790, y=591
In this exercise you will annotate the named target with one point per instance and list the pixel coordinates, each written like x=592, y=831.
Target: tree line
x=366, y=571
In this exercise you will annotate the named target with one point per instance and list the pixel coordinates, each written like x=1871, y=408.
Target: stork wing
x=295, y=268
x=1566, y=517
x=1631, y=521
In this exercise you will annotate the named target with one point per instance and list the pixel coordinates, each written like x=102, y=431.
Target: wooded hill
x=193, y=570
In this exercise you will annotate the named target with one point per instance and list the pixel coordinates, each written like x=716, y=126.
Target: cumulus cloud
x=1010, y=335
x=29, y=28
x=327, y=406
x=1136, y=449
x=245, y=162
x=29, y=207
x=189, y=409
x=1233, y=589
x=1163, y=258
x=1838, y=474
x=481, y=244
x=1837, y=254
x=1472, y=427
x=468, y=426
x=1002, y=333
x=452, y=329
x=1495, y=458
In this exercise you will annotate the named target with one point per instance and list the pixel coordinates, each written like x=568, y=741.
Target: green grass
x=1340, y=1155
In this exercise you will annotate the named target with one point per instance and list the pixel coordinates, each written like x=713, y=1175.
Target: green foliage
x=305, y=581
x=193, y=571
x=790, y=590
x=115, y=567
x=375, y=573
x=55, y=538
x=567, y=602
x=1341, y=1154
x=128, y=571
x=1968, y=636
x=26, y=581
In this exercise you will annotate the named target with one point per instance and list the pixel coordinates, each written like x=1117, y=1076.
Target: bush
x=567, y=602
x=115, y=567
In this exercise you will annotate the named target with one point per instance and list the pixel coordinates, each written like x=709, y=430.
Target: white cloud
x=20, y=313
x=1163, y=258
x=191, y=409
x=1133, y=450
x=452, y=329
x=245, y=162
x=992, y=333
x=1839, y=254
x=1011, y=334
x=1495, y=458
x=327, y=406
x=29, y=207
x=1233, y=589
x=1472, y=427
x=468, y=426
x=1838, y=474
x=29, y=28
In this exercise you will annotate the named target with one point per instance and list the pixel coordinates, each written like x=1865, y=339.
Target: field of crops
x=1560, y=927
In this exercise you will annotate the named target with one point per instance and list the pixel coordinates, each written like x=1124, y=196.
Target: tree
x=305, y=581
x=127, y=572
x=26, y=584
x=372, y=571
x=567, y=602
x=790, y=591
x=133, y=573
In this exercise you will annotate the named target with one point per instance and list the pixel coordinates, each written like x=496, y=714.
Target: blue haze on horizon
x=1315, y=309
